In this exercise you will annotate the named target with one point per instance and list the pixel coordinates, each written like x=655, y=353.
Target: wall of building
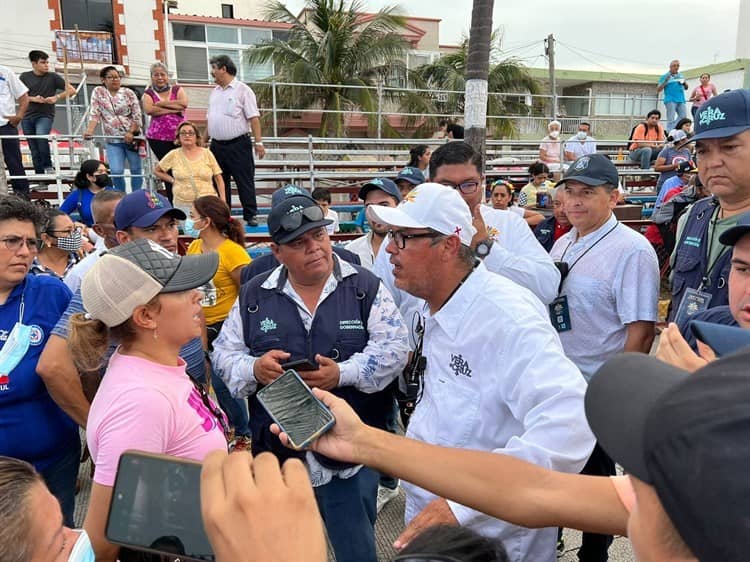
x=245, y=9
x=140, y=23
x=24, y=26
x=742, y=49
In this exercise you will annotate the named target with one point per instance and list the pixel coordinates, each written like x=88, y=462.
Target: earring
x=156, y=334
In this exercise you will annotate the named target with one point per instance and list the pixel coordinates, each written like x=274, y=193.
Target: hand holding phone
x=326, y=376
x=267, y=368
x=293, y=407
x=300, y=365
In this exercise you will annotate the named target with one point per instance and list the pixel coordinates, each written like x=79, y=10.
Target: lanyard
x=586, y=251
x=706, y=280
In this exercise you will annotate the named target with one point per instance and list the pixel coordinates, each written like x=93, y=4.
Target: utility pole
x=477, y=71
x=549, y=43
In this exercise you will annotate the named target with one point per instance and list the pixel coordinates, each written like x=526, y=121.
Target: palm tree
x=331, y=42
x=449, y=73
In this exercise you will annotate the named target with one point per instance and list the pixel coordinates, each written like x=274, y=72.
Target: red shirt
x=560, y=230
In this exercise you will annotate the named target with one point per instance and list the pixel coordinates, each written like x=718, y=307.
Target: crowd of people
x=510, y=346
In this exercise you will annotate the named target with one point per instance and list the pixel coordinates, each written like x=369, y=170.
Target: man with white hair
x=495, y=377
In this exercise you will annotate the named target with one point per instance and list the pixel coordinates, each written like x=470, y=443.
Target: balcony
x=84, y=47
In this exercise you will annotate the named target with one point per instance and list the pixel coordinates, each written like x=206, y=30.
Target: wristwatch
x=483, y=248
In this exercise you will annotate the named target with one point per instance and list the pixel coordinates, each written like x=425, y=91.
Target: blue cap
x=731, y=236
x=722, y=116
x=289, y=190
x=142, y=209
x=593, y=170
x=383, y=184
x=411, y=174
x=722, y=339
x=289, y=206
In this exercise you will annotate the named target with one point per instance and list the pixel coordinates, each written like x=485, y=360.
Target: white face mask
x=82, y=549
x=554, y=134
x=581, y=135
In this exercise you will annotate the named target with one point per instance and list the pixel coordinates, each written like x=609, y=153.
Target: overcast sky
x=622, y=35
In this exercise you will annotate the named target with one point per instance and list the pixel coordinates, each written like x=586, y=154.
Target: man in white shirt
x=503, y=239
x=232, y=119
x=582, y=144
x=496, y=378
x=609, y=292
x=12, y=90
x=379, y=191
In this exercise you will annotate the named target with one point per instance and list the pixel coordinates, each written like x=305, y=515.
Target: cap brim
x=304, y=227
x=411, y=180
x=722, y=339
x=618, y=401
x=719, y=133
x=395, y=216
x=593, y=182
x=193, y=272
x=149, y=219
x=733, y=235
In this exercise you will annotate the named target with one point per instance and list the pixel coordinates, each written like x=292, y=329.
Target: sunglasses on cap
x=292, y=221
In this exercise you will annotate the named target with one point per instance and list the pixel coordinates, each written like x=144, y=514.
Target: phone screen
x=156, y=506
x=293, y=406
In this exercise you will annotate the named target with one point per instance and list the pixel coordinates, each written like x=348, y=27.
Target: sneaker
x=49, y=171
x=385, y=495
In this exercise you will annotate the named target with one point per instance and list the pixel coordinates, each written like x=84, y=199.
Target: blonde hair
x=89, y=338
x=198, y=138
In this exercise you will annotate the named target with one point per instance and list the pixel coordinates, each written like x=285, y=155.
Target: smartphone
x=722, y=339
x=156, y=507
x=301, y=365
x=296, y=410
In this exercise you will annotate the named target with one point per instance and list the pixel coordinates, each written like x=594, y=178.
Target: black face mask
x=102, y=180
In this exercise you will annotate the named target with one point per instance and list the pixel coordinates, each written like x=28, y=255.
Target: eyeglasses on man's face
x=399, y=238
x=466, y=187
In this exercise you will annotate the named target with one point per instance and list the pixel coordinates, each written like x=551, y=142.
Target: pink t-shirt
x=149, y=407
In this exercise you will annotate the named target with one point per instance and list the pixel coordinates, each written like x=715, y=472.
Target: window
x=227, y=11
x=255, y=36
x=88, y=15
x=281, y=35
x=192, y=64
x=186, y=32
x=221, y=34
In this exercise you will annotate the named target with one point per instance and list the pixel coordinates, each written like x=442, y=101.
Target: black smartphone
x=156, y=507
x=296, y=410
x=301, y=365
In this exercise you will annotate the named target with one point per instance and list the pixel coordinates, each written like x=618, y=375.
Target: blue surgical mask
x=82, y=549
x=15, y=348
x=189, y=228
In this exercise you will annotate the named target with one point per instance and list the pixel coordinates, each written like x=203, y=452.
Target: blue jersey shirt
x=32, y=425
x=673, y=91
x=79, y=200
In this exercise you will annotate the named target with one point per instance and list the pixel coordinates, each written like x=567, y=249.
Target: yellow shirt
x=231, y=256
x=202, y=170
x=527, y=197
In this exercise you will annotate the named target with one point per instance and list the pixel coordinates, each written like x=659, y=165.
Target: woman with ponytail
x=217, y=231
x=90, y=180
x=144, y=299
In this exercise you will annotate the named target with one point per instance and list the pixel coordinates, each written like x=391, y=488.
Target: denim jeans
x=14, y=160
x=40, y=155
x=348, y=508
x=675, y=112
x=117, y=153
x=61, y=479
x=391, y=425
x=645, y=156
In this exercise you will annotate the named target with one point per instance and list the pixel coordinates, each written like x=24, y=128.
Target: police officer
x=700, y=262
x=337, y=315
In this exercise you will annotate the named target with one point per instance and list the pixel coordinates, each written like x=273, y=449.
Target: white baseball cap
x=430, y=205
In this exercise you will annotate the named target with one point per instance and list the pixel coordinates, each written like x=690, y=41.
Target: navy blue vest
x=270, y=320
x=545, y=233
x=691, y=259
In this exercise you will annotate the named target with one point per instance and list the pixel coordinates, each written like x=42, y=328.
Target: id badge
x=559, y=314
x=693, y=301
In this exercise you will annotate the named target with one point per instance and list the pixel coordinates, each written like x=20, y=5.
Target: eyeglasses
x=467, y=187
x=66, y=231
x=187, y=133
x=399, y=238
x=293, y=220
x=14, y=243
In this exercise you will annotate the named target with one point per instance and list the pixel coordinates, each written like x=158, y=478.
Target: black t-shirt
x=45, y=85
x=457, y=130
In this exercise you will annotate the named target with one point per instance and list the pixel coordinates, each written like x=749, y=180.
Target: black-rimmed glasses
x=466, y=187
x=14, y=243
x=399, y=238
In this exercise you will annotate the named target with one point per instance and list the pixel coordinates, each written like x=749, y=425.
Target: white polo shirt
x=614, y=284
x=515, y=254
x=497, y=380
x=362, y=246
x=229, y=110
x=11, y=88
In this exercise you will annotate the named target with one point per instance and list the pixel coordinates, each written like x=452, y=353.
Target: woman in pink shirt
x=702, y=93
x=145, y=299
